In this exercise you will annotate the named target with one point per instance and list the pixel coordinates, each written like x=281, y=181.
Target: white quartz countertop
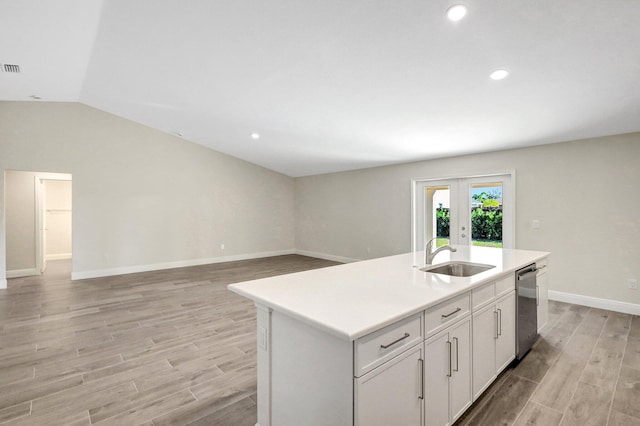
x=354, y=299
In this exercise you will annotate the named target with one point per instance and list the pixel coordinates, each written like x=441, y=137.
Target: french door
x=478, y=210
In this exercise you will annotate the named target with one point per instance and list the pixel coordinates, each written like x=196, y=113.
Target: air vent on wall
x=11, y=68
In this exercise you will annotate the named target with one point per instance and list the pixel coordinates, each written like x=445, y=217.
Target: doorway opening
x=38, y=212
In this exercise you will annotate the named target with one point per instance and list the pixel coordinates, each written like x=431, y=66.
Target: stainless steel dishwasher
x=526, y=309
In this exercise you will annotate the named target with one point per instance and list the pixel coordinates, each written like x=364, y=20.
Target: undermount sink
x=457, y=269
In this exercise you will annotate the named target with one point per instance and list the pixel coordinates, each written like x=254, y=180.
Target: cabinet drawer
x=376, y=348
x=439, y=316
x=505, y=284
x=482, y=295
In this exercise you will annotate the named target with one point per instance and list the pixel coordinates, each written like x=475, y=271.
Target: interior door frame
x=417, y=206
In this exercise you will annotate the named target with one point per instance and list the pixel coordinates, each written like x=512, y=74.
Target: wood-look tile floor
x=168, y=347
x=176, y=347
x=583, y=370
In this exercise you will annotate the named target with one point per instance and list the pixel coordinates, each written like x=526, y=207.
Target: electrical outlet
x=632, y=284
x=222, y=246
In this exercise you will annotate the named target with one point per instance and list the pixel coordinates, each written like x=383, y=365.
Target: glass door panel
x=433, y=213
x=439, y=205
x=485, y=200
x=486, y=207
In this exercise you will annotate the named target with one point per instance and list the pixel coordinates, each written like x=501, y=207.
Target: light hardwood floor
x=176, y=347
x=164, y=348
x=583, y=370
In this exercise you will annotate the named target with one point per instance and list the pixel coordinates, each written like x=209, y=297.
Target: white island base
x=303, y=373
x=379, y=342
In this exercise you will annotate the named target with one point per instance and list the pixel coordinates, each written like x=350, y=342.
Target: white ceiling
x=331, y=84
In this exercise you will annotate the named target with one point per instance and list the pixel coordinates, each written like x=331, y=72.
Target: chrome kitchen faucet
x=428, y=255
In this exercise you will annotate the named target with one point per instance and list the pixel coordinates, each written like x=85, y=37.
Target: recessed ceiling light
x=35, y=97
x=456, y=12
x=178, y=134
x=255, y=136
x=499, y=74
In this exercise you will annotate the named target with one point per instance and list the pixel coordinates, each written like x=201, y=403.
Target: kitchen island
x=380, y=340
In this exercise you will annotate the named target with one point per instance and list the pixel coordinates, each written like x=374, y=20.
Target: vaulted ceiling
x=334, y=85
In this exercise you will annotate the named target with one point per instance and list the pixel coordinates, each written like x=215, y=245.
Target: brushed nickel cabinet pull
x=395, y=341
x=451, y=313
x=457, y=361
x=495, y=314
x=421, y=362
x=499, y=322
x=449, y=350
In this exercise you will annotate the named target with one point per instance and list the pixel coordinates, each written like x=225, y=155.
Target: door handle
x=495, y=316
x=528, y=275
x=499, y=322
x=537, y=295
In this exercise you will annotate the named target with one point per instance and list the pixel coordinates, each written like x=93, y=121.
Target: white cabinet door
x=460, y=381
x=485, y=334
x=392, y=393
x=494, y=341
x=437, y=357
x=448, y=374
x=542, y=281
x=506, y=342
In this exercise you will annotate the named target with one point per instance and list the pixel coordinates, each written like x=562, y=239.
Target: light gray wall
x=21, y=222
x=585, y=193
x=143, y=197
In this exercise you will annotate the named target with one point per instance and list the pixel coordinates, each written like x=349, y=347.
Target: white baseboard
x=594, y=302
x=327, y=256
x=3, y=284
x=81, y=275
x=59, y=256
x=17, y=273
